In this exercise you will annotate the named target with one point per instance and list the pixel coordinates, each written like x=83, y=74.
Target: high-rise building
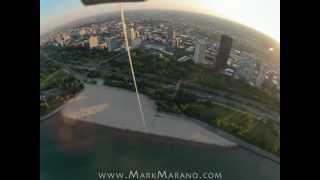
x=66, y=37
x=82, y=32
x=59, y=40
x=200, y=52
x=247, y=67
x=174, y=40
x=137, y=34
x=261, y=76
x=93, y=41
x=131, y=36
x=179, y=42
x=112, y=43
x=224, y=52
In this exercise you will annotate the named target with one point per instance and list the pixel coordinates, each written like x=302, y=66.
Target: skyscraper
x=82, y=32
x=247, y=67
x=131, y=36
x=174, y=40
x=224, y=52
x=93, y=41
x=200, y=52
x=137, y=34
x=112, y=43
x=261, y=76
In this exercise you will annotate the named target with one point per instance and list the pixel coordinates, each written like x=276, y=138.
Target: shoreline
x=240, y=143
x=106, y=105
x=59, y=108
x=159, y=114
x=162, y=139
x=136, y=135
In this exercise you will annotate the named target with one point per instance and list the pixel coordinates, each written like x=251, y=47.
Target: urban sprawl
x=171, y=39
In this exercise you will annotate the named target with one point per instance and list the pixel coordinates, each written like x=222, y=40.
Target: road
x=232, y=104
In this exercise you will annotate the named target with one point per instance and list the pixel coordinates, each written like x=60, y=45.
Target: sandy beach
x=118, y=108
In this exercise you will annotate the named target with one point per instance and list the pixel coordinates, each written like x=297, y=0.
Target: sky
x=262, y=15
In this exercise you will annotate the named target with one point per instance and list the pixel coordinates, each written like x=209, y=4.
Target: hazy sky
x=262, y=15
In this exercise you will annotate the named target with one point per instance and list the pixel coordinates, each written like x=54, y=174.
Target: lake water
x=74, y=150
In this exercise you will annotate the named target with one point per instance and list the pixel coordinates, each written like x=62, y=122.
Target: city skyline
x=261, y=15
x=180, y=43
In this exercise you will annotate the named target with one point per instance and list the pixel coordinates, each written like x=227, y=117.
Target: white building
x=183, y=59
x=93, y=42
x=261, y=76
x=190, y=49
x=200, y=52
x=103, y=45
x=131, y=35
x=228, y=72
x=82, y=32
x=247, y=67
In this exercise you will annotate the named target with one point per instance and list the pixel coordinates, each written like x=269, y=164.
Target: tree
x=183, y=97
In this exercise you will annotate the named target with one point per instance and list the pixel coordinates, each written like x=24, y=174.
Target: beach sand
x=118, y=108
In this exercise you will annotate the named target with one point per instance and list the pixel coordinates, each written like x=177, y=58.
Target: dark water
x=74, y=150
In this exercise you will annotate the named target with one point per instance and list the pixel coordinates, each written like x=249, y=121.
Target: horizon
x=137, y=10
x=74, y=10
